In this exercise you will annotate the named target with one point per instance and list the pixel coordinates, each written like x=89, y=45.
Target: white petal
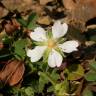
x=69, y=46
x=36, y=53
x=39, y=34
x=59, y=30
x=54, y=59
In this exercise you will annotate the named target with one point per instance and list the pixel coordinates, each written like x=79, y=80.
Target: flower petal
x=36, y=53
x=69, y=46
x=39, y=34
x=54, y=59
x=59, y=30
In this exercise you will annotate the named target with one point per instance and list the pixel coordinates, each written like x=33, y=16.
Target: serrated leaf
x=19, y=48
x=87, y=92
x=62, y=88
x=45, y=77
x=93, y=65
x=54, y=75
x=74, y=72
x=7, y=40
x=22, y=22
x=29, y=91
x=32, y=21
x=31, y=26
x=31, y=17
x=20, y=43
x=42, y=81
x=90, y=76
x=50, y=89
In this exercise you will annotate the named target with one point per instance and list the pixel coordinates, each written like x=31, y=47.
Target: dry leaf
x=17, y=75
x=11, y=26
x=81, y=11
x=1, y=45
x=12, y=72
x=93, y=26
x=3, y=12
x=45, y=20
x=89, y=43
x=44, y=2
x=85, y=10
x=20, y=5
x=38, y=9
x=69, y=4
x=79, y=89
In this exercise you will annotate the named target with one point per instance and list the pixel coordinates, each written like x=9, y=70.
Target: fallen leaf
x=79, y=89
x=17, y=76
x=69, y=4
x=44, y=2
x=93, y=26
x=80, y=11
x=89, y=43
x=12, y=72
x=20, y=5
x=9, y=28
x=3, y=12
x=1, y=45
x=38, y=9
x=45, y=20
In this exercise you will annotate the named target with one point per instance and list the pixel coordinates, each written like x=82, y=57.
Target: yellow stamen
x=51, y=43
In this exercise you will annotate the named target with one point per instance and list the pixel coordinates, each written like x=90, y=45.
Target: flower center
x=51, y=43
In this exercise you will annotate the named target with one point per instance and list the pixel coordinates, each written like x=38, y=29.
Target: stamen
x=51, y=43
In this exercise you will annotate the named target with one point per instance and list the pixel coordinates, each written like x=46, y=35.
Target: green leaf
x=31, y=26
x=74, y=72
x=62, y=88
x=93, y=38
x=42, y=81
x=31, y=17
x=19, y=46
x=32, y=21
x=93, y=65
x=54, y=75
x=22, y=22
x=7, y=40
x=87, y=92
x=50, y=89
x=29, y=91
x=90, y=76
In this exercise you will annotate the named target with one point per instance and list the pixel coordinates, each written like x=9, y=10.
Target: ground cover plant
x=47, y=48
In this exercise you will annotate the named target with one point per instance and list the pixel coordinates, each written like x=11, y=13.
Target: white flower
x=54, y=57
